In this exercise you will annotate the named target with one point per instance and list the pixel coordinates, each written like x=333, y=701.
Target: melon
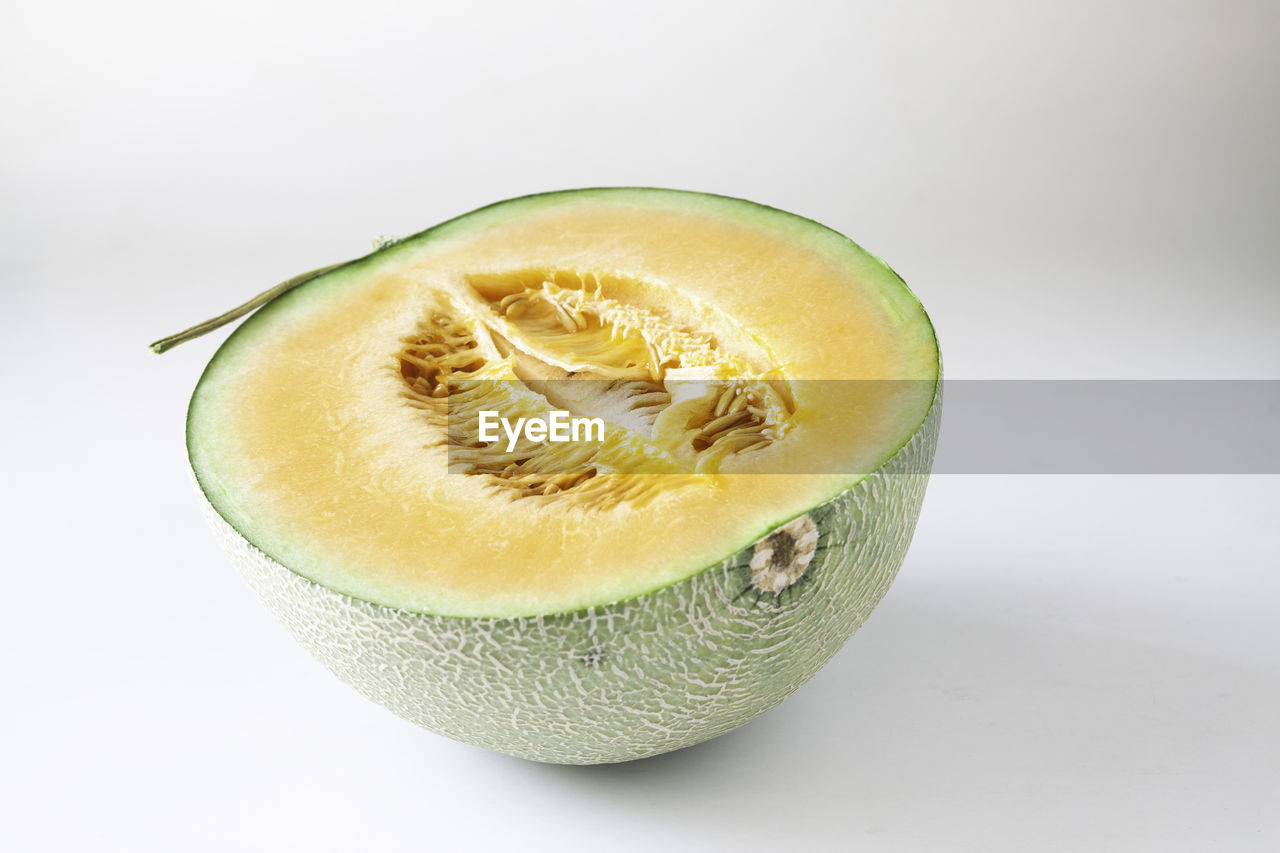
x=761, y=401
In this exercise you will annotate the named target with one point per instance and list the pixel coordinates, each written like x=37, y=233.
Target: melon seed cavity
x=651, y=392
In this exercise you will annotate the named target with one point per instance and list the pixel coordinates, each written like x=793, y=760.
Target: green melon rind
x=870, y=268
x=641, y=677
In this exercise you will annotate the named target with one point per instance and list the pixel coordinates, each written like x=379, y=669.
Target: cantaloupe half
x=770, y=396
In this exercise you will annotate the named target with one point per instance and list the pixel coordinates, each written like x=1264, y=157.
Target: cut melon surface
x=307, y=438
x=768, y=396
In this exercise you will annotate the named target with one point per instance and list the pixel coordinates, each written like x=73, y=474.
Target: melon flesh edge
x=303, y=502
x=637, y=678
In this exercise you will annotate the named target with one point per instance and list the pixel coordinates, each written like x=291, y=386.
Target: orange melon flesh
x=300, y=436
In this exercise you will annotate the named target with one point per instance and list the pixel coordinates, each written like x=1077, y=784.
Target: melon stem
x=165, y=344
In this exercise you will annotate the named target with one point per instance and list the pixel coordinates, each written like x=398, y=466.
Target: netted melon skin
x=634, y=679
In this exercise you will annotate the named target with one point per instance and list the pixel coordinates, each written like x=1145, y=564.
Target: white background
x=1081, y=190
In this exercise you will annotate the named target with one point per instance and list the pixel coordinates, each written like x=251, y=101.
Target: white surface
x=1074, y=190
